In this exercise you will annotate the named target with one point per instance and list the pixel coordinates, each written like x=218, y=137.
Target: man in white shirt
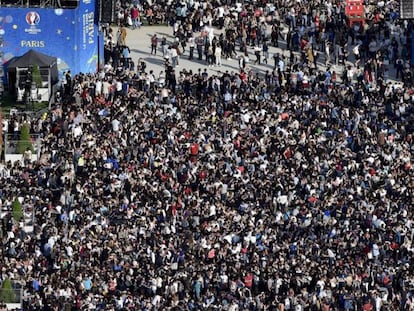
x=118, y=87
x=327, y=53
x=98, y=88
x=174, y=57
x=115, y=125
x=281, y=65
x=220, y=17
x=217, y=55
x=191, y=44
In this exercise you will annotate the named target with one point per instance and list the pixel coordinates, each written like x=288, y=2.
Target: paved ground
x=139, y=42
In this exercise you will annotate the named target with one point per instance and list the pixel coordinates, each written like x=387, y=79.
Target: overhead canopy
x=31, y=58
x=18, y=66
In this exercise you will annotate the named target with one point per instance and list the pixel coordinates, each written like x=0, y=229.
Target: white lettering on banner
x=32, y=30
x=88, y=29
x=32, y=43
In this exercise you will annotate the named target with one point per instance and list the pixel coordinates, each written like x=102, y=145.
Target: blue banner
x=88, y=41
x=70, y=35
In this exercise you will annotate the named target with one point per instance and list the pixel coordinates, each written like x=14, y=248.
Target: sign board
x=70, y=35
x=406, y=9
x=354, y=8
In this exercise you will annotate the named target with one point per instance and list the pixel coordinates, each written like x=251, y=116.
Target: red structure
x=355, y=12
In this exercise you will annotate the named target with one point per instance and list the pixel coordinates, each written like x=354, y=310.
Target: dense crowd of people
x=238, y=190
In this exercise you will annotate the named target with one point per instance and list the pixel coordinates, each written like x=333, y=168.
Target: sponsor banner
x=70, y=35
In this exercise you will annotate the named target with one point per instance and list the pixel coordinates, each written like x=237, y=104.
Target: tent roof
x=32, y=57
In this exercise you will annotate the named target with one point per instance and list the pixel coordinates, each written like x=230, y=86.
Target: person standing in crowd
x=154, y=44
x=150, y=15
x=356, y=52
x=275, y=35
x=327, y=53
x=27, y=156
x=257, y=52
x=68, y=83
x=122, y=36
x=209, y=54
x=234, y=189
x=191, y=44
x=200, y=42
x=242, y=63
x=173, y=52
x=217, y=55
x=136, y=23
x=125, y=50
x=164, y=46
x=265, y=49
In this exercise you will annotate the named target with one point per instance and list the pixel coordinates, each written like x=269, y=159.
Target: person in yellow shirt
x=123, y=34
x=309, y=53
x=81, y=165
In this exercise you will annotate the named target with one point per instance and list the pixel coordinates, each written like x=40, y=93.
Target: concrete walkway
x=139, y=41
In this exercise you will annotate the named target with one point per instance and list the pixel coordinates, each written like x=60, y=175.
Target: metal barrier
x=32, y=113
x=11, y=144
x=13, y=298
x=11, y=149
x=40, y=3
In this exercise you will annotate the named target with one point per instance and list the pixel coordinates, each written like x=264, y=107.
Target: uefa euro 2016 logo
x=32, y=18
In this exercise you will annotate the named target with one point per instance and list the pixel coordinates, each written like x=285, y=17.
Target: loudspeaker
x=106, y=11
x=68, y=4
x=10, y=3
x=406, y=9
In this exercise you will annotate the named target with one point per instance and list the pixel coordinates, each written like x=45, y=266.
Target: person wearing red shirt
x=135, y=17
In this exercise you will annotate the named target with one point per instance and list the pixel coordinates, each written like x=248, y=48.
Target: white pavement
x=139, y=40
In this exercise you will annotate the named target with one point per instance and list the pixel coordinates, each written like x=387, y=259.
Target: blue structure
x=71, y=35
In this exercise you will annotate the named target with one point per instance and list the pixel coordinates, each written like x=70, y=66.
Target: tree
x=24, y=141
x=7, y=294
x=17, y=210
x=36, y=77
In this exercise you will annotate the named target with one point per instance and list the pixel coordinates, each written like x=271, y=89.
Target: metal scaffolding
x=40, y=3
